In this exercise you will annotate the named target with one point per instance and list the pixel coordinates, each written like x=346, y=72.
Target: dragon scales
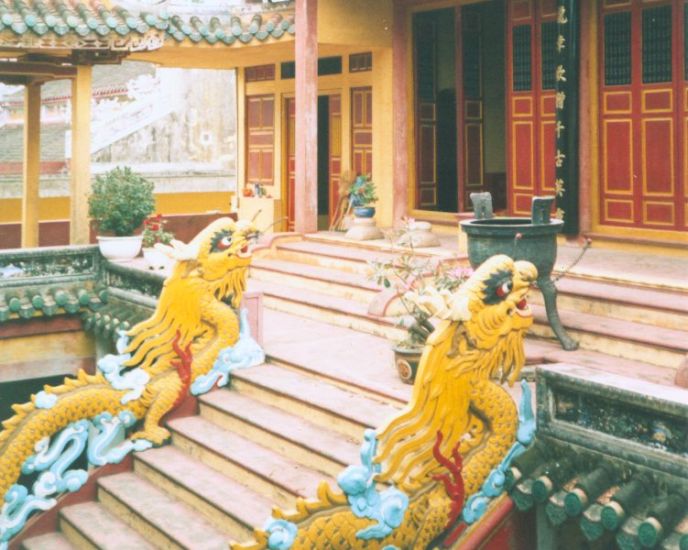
x=194, y=333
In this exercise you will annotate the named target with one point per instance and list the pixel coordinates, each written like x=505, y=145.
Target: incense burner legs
x=549, y=294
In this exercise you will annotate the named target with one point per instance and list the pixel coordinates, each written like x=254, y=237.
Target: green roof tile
x=91, y=18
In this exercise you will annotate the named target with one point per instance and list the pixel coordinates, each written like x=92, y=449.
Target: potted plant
x=409, y=275
x=361, y=196
x=118, y=204
x=154, y=233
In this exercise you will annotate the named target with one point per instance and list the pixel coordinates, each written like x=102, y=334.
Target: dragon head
x=495, y=297
x=488, y=313
x=219, y=255
x=211, y=268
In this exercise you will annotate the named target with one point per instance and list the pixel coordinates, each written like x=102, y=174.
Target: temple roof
x=93, y=24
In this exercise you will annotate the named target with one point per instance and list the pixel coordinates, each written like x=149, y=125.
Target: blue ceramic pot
x=364, y=211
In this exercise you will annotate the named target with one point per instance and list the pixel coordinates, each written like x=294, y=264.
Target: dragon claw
x=156, y=435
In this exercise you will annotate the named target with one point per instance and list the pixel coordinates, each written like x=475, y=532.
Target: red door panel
x=642, y=114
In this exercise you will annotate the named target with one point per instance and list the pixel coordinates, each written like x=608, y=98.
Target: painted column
x=400, y=114
x=588, y=99
x=32, y=165
x=306, y=189
x=80, y=165
x=566, y=158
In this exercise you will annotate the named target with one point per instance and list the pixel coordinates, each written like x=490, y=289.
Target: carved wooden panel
x=260, y=127
x=290, y=110
x=362, y=130
x=335, y=157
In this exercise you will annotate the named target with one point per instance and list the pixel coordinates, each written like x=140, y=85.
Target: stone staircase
x=299, y=419
x=323, y=279
x=621, y=319
x=280, y=430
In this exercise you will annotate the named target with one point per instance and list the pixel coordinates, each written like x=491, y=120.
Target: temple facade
x=435, y=100
x=479, y=94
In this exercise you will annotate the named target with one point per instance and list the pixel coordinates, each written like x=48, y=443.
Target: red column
x=585, y=100
x=306, y=188
x=400, y=112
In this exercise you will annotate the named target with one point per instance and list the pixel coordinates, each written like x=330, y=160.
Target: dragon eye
x=224, y=243
x=504, y=289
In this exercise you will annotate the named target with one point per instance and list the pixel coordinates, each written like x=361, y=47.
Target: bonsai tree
x=409, y=274
x=120, y=201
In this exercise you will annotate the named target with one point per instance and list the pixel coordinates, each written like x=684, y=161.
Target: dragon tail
x=48, y=412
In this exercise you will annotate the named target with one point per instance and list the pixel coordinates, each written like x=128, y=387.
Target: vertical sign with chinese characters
x=566, y=157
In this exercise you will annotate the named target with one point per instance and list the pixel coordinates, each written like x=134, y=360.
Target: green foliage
x=120, y=201
x=362, y=192
x=409, y=271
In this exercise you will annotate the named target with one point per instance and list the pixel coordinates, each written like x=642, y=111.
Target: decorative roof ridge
x=130, y=26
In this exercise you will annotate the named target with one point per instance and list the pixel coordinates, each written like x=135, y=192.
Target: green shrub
x=120, y=201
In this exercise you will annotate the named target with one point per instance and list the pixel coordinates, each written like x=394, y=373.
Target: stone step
x=51, y=541
x=384, y=246
x=657, y=346
x=333, y=282
x=337, y=253
x=620, y=300
x=540, y=351
x=331, y=407
x=260, y=468
x=347, y=358
x=630, y=268
x=91, y=525
x=331, y=256
x=325, y=308
x=163, y=520
x=226, y=502
x=295, y=437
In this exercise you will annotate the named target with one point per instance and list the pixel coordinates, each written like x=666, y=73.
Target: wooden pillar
x=32, y=165
x=80, y=165
x=589, y=140
x=400, y=168
x=306, y=191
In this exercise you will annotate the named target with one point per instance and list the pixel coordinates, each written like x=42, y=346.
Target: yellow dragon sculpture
x=195, y=317
x=458, y=408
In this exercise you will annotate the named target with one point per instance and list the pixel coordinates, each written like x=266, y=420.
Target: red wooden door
x=362, y=130
x=643, y=120
x=473, y=106
x=260, y=138
x=335, y=154
x=290, y=159
x=334, y=160
x=531, y=47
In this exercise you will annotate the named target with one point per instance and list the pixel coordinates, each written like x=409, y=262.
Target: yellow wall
x=49, y=209
x=66, y=345
x=57, y=208
x=361, y=23
x=383, y=157
x=192, y=203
